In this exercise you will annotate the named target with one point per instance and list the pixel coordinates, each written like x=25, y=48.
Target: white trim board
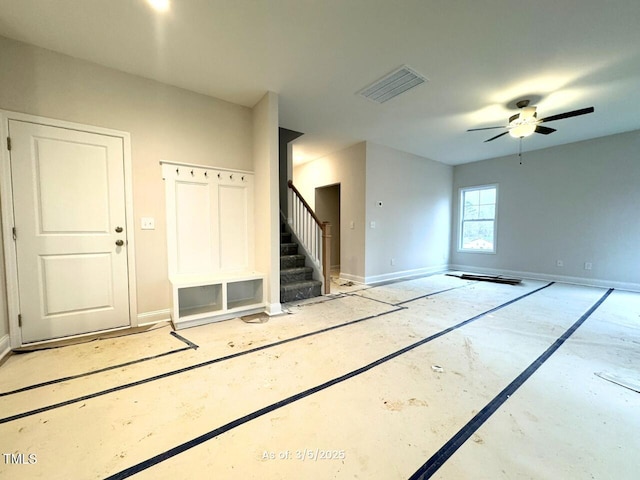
x=6, y=202
x=209, y=167
x=405, y=274
x=157, y=316
x=219, y=318
x=5, y=346
x=273, y=309
x=589, y=282
x=387, y=277
x=351, y=278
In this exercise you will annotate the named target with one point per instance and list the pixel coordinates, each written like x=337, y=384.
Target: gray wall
x=165, y=122
x=576, y=203
x=348, y=168
x=413, y=225
x=267, y=200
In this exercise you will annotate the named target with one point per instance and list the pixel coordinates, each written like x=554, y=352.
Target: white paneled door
x=69, y=207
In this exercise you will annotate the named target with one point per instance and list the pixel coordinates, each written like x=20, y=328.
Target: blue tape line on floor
x=106, y=369
x=185, y=369
x=294, y=398
x=429, y=294
x=448, y=449
x=93, y=372
x=407, y=301
x=188, y=342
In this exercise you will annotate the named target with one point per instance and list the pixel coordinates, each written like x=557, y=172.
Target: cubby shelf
x=200, y=299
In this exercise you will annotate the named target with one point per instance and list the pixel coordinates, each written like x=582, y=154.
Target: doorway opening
x=327, y=208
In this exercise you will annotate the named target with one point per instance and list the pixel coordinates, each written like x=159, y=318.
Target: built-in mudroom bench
x=210, y=244
x=201, y=299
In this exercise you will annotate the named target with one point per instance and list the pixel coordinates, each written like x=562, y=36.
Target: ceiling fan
x=526, y=122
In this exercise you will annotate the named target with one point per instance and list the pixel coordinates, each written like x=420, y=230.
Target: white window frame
x=461, y=192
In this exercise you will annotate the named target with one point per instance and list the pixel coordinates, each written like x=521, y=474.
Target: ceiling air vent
x=392, y=85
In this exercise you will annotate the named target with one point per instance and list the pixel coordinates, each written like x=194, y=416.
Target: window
x=478, y=219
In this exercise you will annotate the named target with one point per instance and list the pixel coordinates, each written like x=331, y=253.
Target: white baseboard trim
x=589, y=282
x=216, y=318
x=273, y=309
x=5, y=346
x=351, y=278
x=156, y=316
x=418, y=272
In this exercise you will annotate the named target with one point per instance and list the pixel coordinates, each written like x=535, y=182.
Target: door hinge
x=20, y=320
x=15, y=236
x=8, y=143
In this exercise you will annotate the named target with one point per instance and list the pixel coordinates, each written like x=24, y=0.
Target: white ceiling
x=479, y=56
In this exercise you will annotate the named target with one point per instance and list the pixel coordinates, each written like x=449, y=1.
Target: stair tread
x=296, y=269
x=300, y=283
x=296, y=281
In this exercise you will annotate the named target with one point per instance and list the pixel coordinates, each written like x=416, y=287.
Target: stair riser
x=291, y=262
x=289, y=249
x=285, y=238
x=302, y=293
x=295, y=276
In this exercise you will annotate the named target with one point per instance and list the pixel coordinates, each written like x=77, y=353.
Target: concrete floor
x=393, y=385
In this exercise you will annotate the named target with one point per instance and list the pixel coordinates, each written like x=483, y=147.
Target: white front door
x=69, y=208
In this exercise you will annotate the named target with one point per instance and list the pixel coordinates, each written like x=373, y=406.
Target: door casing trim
x=6, y=202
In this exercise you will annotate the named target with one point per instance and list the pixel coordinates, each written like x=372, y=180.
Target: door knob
x=119, y=243
x=118, y=229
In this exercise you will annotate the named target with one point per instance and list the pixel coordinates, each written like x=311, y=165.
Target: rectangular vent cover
x=392, y=85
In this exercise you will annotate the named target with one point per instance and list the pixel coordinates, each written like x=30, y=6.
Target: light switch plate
x=147, y=223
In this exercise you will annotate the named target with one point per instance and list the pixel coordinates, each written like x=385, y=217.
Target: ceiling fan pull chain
x=520, y=150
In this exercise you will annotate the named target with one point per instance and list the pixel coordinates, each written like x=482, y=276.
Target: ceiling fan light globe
x=522, y=130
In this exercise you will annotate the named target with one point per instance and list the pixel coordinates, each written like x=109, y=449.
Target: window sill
x=485, y=252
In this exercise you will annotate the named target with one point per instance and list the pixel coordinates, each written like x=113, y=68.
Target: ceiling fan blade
x=485, y=128
x=544, y=130
x=574, y=113
x=497, y=136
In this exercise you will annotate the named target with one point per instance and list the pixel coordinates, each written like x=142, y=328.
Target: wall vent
x=392, y=85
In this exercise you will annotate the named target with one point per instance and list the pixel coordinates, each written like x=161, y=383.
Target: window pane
x=470, y=211
x=477, y=235
x=472, y=197
x=487, y=212
x=487, y=196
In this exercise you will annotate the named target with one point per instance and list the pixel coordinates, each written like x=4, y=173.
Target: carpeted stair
x=296, y=280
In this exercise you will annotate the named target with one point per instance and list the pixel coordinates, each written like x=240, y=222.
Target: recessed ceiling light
x=159, y=5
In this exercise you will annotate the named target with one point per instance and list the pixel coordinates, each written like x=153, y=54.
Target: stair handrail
x=315, y=236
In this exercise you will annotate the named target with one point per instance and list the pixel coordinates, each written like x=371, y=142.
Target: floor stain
x=416, y=402
x=470, y=352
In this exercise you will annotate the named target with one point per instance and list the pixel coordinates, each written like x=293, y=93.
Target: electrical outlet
x=587, y=265
x=559, y=263
x=372, y=224
x=147, y=223
x=393, y=261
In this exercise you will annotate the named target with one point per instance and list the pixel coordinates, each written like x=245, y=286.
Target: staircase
x=296, y=280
